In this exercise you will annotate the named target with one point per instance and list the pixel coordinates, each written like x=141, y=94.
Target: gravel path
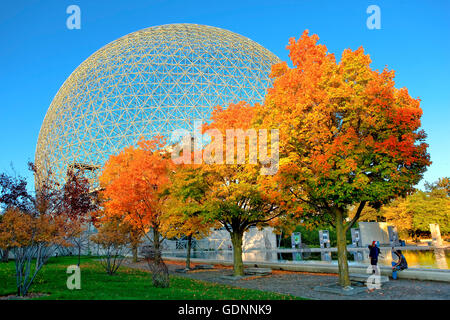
x=302, y=284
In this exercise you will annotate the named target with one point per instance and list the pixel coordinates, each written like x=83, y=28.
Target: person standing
x=373, y=255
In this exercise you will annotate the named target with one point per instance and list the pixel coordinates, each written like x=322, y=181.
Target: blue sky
x=38, y=52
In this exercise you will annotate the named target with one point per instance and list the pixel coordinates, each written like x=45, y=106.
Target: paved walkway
x=301, y=284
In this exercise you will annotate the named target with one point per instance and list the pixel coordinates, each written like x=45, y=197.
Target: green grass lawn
x=127, y=283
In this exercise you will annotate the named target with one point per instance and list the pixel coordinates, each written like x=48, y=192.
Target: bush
x=310, y=237
x=113, y=237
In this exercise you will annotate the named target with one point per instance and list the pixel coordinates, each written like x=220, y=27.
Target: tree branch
x=356, y=217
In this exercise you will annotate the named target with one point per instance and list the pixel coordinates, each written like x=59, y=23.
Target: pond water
x=433, y=258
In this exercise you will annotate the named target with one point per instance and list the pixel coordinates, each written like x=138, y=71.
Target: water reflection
x=439, y=258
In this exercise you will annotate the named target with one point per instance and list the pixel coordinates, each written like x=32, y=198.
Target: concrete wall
x=254, y=239
x=320, y=267
x=371, y=231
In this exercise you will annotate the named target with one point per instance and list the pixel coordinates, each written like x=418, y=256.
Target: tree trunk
x=188, y=253
x=134, y=249
x=88, y=239
x=156, y=245
x=238, y=265
x=344, y=279
x=160, y=273
x=5, y=255
x=79, y=255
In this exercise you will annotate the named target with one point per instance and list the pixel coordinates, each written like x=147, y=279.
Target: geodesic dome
x=147, y=83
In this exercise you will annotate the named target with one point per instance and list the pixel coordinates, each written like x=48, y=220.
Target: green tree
x=413, y=214
x=442, y=184
x=430, y=207
x=186, y=213
x=236, y=197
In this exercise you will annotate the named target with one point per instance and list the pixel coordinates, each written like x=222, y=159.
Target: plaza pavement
x=302, y=284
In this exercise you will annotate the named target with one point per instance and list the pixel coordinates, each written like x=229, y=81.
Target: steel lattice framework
x=148, y=82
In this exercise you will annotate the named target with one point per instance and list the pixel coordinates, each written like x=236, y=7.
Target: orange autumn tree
x=133, y=183
x=32, y=227
x=32, y=239
x=347, y=135
x=235, y=197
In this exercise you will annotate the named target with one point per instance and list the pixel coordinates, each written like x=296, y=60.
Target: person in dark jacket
x=373, y=255
x=401, y=263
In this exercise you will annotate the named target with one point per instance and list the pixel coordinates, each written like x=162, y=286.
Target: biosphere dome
x=149, y=82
